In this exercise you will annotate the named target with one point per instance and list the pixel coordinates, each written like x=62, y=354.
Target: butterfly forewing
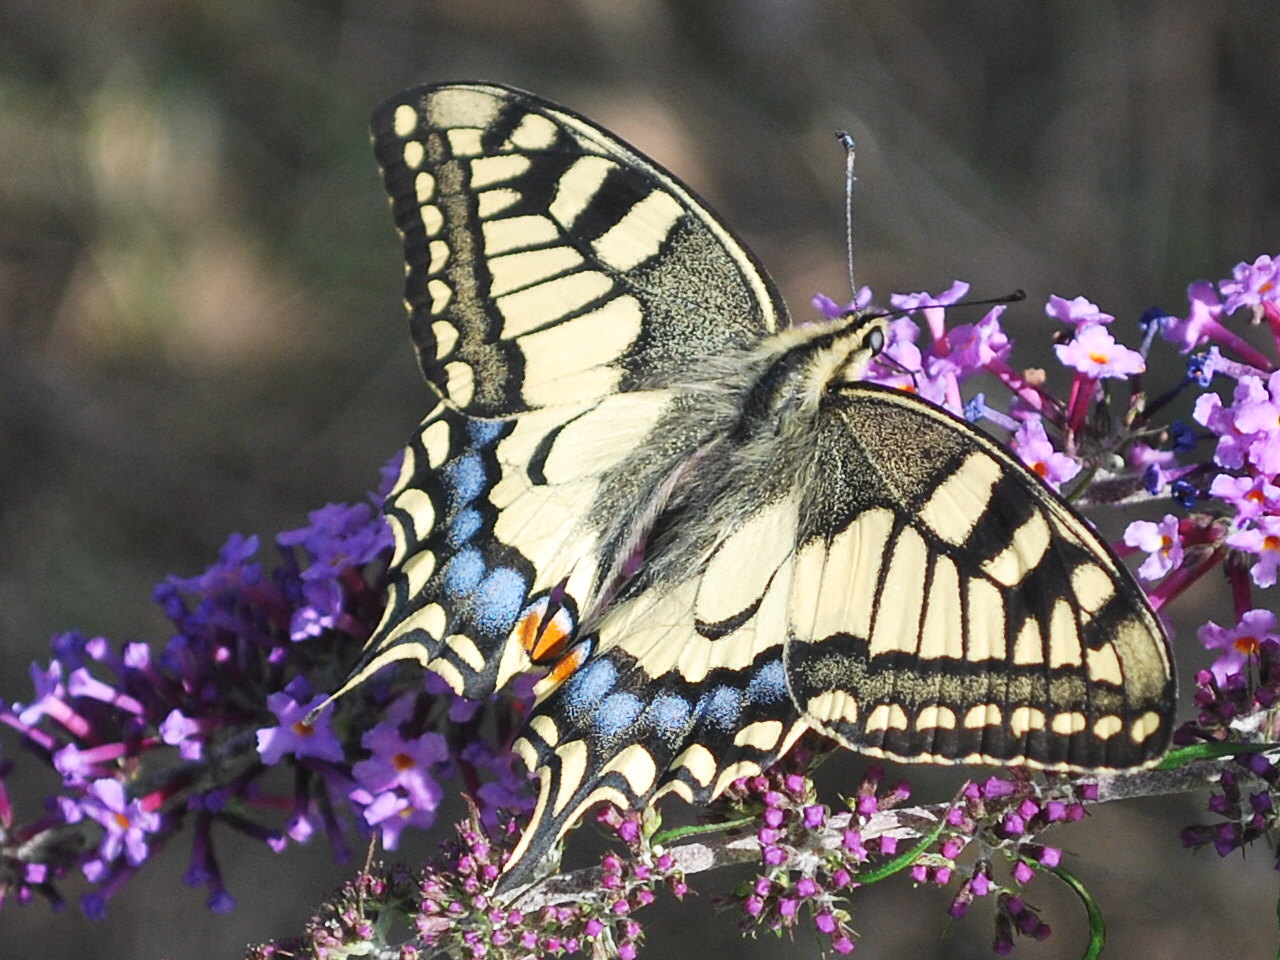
x=547, y=261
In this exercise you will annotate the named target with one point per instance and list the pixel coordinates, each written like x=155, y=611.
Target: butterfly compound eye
x=875, y=340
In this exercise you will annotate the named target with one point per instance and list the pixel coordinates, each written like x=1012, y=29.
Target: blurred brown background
x=201, y=331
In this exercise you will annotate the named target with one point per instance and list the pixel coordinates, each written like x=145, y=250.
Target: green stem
x=1181, y=756
x=1097, y=926
x=679, y=833
x=903, y=860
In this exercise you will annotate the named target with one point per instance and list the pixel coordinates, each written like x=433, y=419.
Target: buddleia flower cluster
x=207, y=730
x=144, y=745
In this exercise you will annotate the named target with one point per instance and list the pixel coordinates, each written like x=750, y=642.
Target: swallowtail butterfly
x=641, y=477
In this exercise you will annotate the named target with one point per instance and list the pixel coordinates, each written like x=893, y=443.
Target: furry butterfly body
x=640, y=477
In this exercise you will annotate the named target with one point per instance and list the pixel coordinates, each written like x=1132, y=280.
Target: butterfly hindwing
x=946, y=608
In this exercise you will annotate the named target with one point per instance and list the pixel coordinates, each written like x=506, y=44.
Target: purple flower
x=1078, y=312
x=1239, y=644
x=391, y=813
x=1257, y=415
x=1251, y=496
x=1263, y=541
x=125, y=822
x=975, y=346
x=1031, y=444
x=832, y=310
x=339, y=536
x=232, y=572
x=1252, y=283
x=931, y=306
x=293, y=735
x=1162, y=542
x=1095, y=353
x=397, y=762
x=1202, y=323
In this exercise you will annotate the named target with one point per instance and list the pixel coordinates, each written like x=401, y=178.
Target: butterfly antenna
x=850, y=151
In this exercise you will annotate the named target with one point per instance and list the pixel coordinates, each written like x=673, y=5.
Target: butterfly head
x=837, y=353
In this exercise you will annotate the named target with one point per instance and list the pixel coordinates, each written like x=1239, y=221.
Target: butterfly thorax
x=738, y=435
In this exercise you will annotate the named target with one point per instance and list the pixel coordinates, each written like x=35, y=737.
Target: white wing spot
x=577, y=186
x=1092, y=586
x=983, y=715
x=464, y=142
x=491, y=202
x=1104, y=665
x=466, y=650
x=486, y=171
x=405, y=120
x=986, y=640
x=441, y=296
x=1064, y=641
x=636, y=765
x=432, y=219
x=897, y=624
x=417, y=504
x=573, y=764
x=424, y=187
x=446, y=335
x=545, y=303
x=762, y=735
x=699, y=761
x=516, y=233
x=1107, y=727
x=734, y=771
x=1023, y=720
x=1029, y=647
x=936, y=716
x=435, y=440
x=1146, y=725
x=1024, y=552
x=417, y=570
x=943, y=633
x=414, y=153
x=886, y=716
x=461, y=382
x=959, y=501
x=1065, y=724
x=833, y=705
x=439, y=251
x=516, y=271
x=535, y=132
x=639, y=235
x=546, y=728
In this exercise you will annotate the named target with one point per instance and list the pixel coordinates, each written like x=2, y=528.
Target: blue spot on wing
x=464, y=572
x=464, y=526
x=769, y=685
x=464, y=478
x=584, y=689
x=616, y=713
x=484, y=432
x=668, y=714
x=498, y=600
x=720, y=707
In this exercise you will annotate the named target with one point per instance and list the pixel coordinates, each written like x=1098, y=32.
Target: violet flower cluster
x=210, y=727
x=147, y=743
